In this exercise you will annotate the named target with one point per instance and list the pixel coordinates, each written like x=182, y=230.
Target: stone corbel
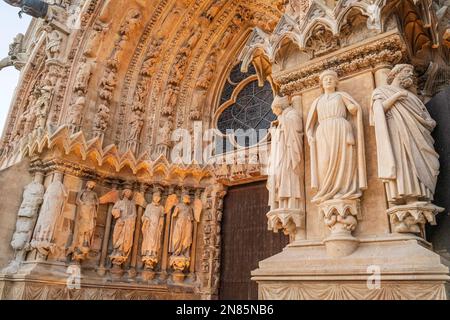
x=291, y=222
x=412, y=218
x=341, y=217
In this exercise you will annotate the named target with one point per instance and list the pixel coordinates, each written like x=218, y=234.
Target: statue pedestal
x=388, y=267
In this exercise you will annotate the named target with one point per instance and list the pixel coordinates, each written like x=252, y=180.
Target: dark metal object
x=34, y=8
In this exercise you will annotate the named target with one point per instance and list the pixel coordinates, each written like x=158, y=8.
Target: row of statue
x=41, y=213
x=407, y=161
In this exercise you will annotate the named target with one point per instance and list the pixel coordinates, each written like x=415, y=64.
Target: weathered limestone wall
x=12, y=183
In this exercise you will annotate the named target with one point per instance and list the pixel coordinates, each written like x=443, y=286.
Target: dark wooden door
x=245, y=240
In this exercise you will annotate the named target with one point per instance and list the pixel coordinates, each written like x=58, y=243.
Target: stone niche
x=379, y=262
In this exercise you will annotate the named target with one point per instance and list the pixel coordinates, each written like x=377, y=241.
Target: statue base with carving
x=341, y=217
x=404, y=267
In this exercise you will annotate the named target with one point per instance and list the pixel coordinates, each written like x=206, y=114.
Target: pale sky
x=10, y=25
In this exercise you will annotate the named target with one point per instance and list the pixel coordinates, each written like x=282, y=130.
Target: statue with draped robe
x=152, y=231
x=335, y=132
x=408, y=163
x=124, y=211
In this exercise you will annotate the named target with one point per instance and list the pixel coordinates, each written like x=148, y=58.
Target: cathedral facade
x=227, y=149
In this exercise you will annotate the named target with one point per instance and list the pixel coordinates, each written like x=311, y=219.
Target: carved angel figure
x=181, y=237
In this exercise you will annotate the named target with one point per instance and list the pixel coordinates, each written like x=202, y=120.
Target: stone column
x=137, y=232
x=165, y=249
x=101, y=271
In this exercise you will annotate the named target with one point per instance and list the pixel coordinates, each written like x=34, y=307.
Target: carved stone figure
x=207, y=74
x=87, y=202
x=17, y=55
x=284, y=182
x=76, y=113
x=170, y=99
x=152, y=55
x=135, y=126
x=51, y=212
x=53, y=45
x=107, y=84
x=33, y=196
x=84, y=75
x=124, y=211
x=198, y=103
x=338, y=165
x=164, y=133
x=338, y=169
x=152, y=231
x=408, y=164
x=285, y=166
x=181, y=237
x=101, y=119
x=42, y=105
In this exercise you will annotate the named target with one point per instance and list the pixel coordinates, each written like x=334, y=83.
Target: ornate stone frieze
x=389, y=50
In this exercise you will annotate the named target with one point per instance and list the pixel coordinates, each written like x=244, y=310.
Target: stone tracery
x=137, y=85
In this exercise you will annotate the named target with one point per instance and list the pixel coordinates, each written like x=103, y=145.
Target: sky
x=10, y=26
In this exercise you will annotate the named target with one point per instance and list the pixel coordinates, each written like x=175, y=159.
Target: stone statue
x=76, y=113
x=124, y=211
x=285, y=167
x=170, y=99
x=33, y=196
x=87, y=202
x=50, y=214
x=285, y=161
x=84, y=75
x=338, y=168
x=53, y=45
x=183, y=217
x=408, y=164
x=101, y=119
x=135, y=126
x=152, y=231
x=164, y=133
x=42, y=105
x=17, y=55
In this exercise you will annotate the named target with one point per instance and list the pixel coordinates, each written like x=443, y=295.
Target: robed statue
x=124, y=211
x=152, y=231
x=183, y=225
x=336, y=137
x=407, y=160
x=286, y=155
x=51, y=213
x=88, y=203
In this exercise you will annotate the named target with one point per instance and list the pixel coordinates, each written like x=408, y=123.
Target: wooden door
x=245, y=240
